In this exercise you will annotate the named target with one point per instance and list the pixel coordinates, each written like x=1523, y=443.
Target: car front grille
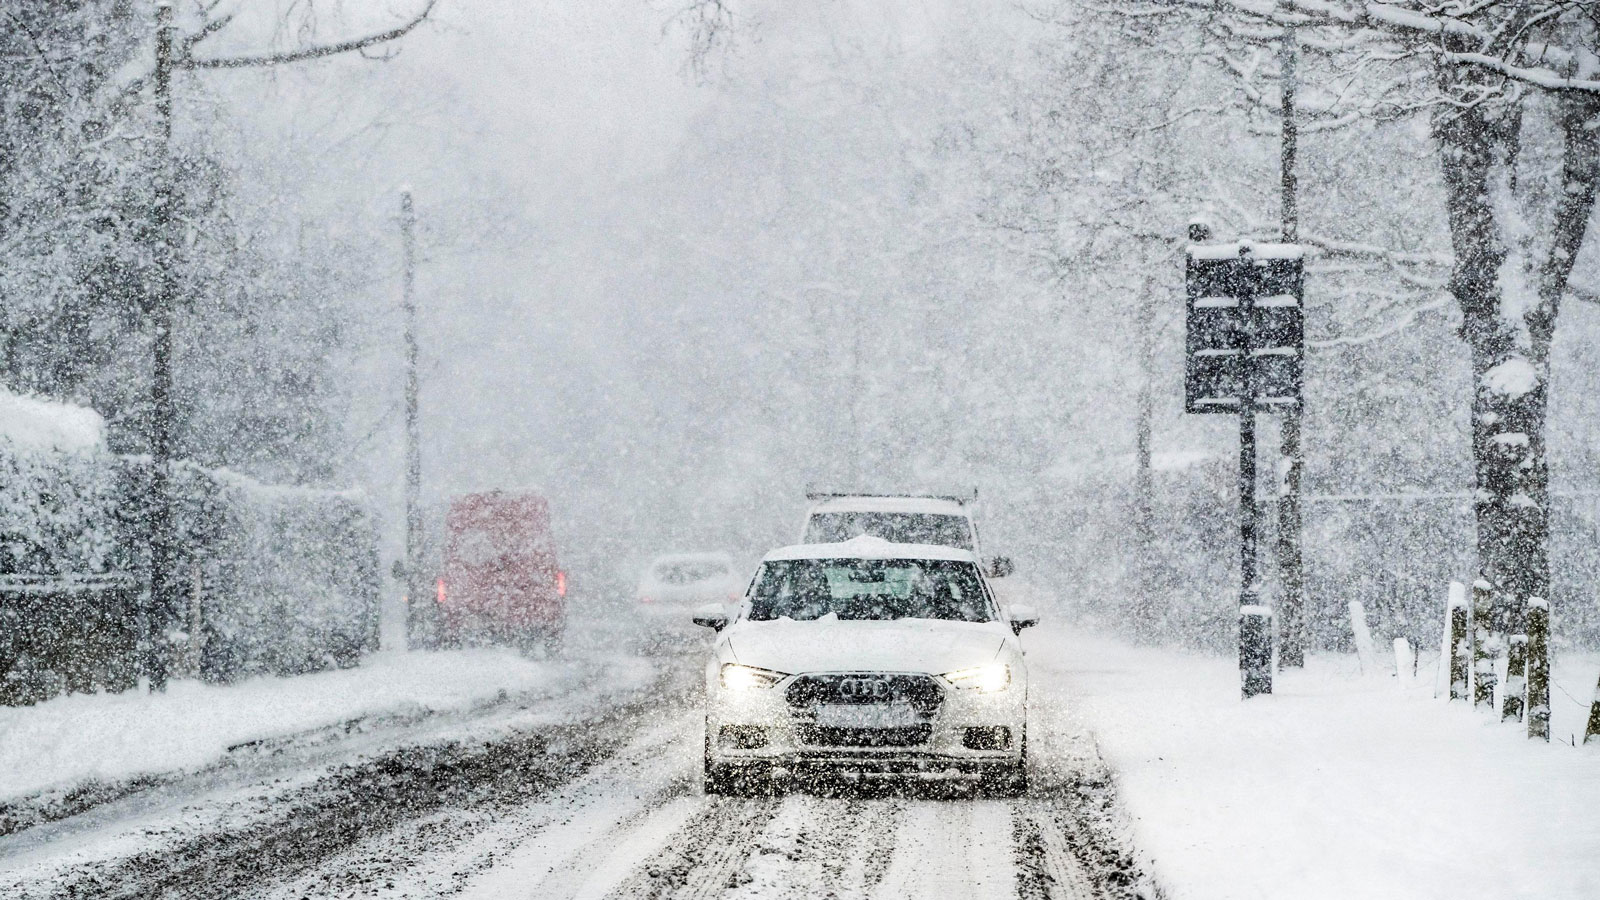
x=921, y=692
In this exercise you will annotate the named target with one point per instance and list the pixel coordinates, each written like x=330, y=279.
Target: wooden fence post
x=1538, y=625
x=1591, y=734
x=1459, y=643
x=1485, y=646
x=1516, y=686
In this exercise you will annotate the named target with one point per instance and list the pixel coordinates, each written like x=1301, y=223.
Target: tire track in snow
x=819, y=847
x=442, y=854
x=324, y=814
x=705, y=856
x=1048, y=868
x=621, y=803
x=960, y=848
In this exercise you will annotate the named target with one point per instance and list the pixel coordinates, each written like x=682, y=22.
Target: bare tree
x=1513, y=90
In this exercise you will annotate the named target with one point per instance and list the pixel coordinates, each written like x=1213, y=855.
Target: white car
x=871, y=658
x=673, y=586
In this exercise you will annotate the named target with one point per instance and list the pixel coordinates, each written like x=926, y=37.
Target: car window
x=477, y=547
x=810, y=589
x=896, y=527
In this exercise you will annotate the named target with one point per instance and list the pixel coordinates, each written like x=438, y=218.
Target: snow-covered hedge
x=273, y=579
x=286, y=578
x=65, y=610
x=57, y=490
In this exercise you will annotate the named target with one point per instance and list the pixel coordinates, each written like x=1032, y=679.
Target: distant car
x=879, y=659
x=501, y=583
x=946, y=520
x=673, y=586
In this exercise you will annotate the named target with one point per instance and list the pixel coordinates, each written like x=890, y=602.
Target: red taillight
x=441, y=592
x=647, y=599
x=561, y=583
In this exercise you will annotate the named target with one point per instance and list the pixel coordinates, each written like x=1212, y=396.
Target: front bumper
x=763, y=728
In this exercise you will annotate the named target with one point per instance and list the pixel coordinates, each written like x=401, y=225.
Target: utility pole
x=163, y=600
x=416, y=589
x=1145, y=604
x=1291, y=612
x=172, y=55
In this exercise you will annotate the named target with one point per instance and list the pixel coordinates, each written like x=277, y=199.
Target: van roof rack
x=815, y=495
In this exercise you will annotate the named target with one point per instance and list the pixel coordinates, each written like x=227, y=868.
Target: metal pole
x=416, y=588
x=163, y=585
x=1292, y=618
x=1255, y=623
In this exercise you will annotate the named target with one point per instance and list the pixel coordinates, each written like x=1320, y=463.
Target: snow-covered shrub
x=286, y=578
x=297, y=584
x=65, y=611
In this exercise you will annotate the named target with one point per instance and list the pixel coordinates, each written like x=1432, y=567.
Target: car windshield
x=689, y=572
x=809, y=589
x=895, y=527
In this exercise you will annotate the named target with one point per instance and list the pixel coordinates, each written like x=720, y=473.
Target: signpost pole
x=1255, y=622
x=1244, y=348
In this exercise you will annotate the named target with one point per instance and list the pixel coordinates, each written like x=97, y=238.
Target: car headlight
x=744, y=678
x=988, y=679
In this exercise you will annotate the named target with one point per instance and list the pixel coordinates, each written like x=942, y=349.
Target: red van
x=501, y=583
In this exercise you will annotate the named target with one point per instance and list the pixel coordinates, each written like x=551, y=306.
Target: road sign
x=1245, y=349
x=1245, y=326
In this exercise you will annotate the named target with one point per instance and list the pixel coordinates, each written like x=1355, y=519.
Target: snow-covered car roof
x=867, y=503
x=703, y=556
x=868, y=547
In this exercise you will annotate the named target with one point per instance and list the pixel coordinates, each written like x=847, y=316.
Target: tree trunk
x=1508, y=321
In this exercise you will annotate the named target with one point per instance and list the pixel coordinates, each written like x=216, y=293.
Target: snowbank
x=68, y=740
x=42, y=425
x=1336, y=786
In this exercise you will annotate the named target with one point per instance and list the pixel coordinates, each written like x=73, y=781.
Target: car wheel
x=1010, y=781
x=554, y=640
x=716, y=781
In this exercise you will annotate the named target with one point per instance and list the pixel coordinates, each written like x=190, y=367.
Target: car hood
x=904, y=645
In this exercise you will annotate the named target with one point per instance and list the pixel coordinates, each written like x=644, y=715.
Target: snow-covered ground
x=109, y=737
x=1338, y=785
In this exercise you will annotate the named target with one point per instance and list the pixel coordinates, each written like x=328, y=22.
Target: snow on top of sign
x=1258, y=251
x=1278, y=300
x=46, y=425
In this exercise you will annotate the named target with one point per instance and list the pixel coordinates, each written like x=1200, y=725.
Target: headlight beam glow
x=985, y=679
x=744, y=678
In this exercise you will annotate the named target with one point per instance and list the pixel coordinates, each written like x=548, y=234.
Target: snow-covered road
x=529, y=798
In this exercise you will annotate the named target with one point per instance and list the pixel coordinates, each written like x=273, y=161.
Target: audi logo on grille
x=864, y=689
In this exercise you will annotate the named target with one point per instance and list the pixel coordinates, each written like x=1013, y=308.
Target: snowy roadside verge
x=1336, y=786
x=71, y=740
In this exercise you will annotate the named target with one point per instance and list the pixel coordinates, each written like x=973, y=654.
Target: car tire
x=716, y=781
x=554, y=640
x=1011, y=781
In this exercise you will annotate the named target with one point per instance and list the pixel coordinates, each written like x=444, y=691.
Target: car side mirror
x=711, y=616
x=1023, y=617
x=1001, y=566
